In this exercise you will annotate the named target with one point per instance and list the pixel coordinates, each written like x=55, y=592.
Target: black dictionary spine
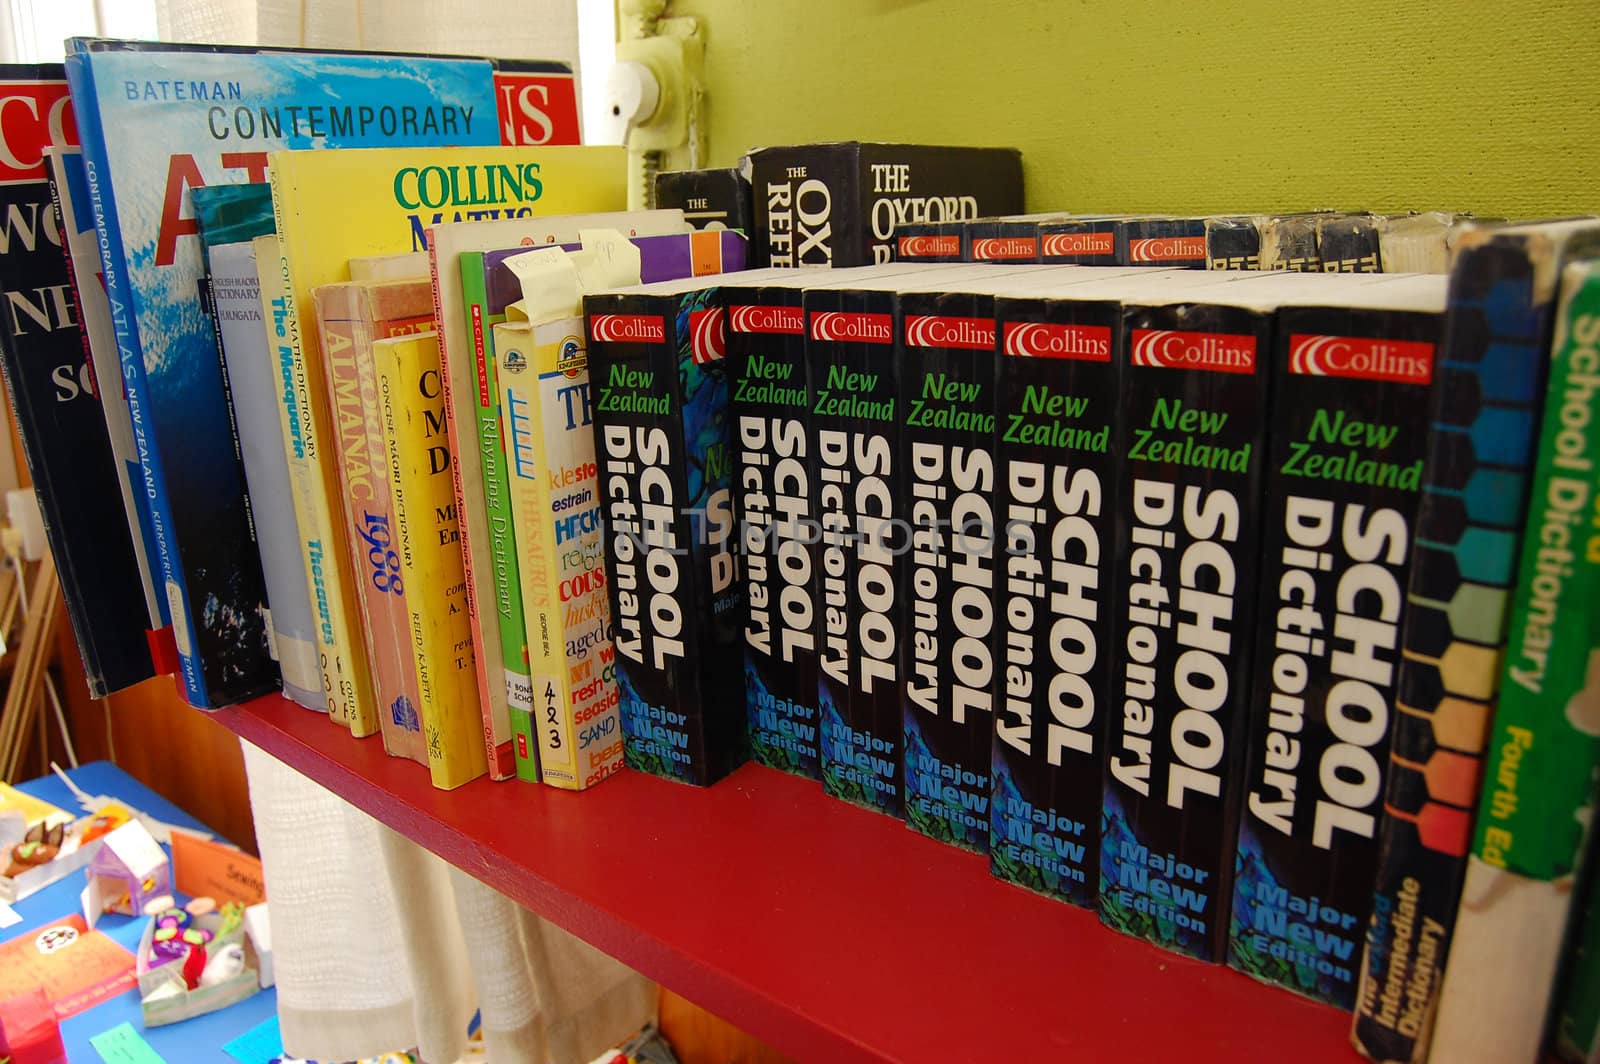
x=1056, y=405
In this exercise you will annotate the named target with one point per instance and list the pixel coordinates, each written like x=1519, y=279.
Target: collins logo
x=1219, y=352
x=749, y=319
x=1401, y=361
x=1167, y=249
x=928, y=247
x=866, y=328
x=1031, y=339
x=708, y=334
x=33, y=115
x=1063, y=244
x=926, y=330
x=627, y=328
x=1002, y=248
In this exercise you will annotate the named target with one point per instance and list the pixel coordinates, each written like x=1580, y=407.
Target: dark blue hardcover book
x=1179, y=243
x=1058, y=400
x=945, y=378
x=779, y=555
x=663, y=441
x=53, y=398
x=1350, y=389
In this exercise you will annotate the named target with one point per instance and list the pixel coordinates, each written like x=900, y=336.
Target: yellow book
x=340, y=674
x=332, y=206
x=542, y=370
x=555, y=508
x=418, y=454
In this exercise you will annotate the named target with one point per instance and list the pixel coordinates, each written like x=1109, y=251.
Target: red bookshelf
x=833, y=933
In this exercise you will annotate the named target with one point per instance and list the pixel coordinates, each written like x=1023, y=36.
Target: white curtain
x=539, y=29
x=379, y=946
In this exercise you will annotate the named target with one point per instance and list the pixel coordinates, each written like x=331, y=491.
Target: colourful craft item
x=167, y=950
x=224, y=964
x=105, y=822
x=129, y=870
x=232, y=917
x=40, y=846
x=194, y=965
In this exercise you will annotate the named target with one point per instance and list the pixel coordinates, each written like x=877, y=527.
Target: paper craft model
x=189, y=964
x=129, y=869
x=45, y=854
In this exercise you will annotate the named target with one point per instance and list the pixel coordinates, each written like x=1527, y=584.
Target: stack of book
x=1245, y=606
x=1313, y=242
x=1185, y=596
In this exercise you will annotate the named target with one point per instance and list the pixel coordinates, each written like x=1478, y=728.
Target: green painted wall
x=1161, y=105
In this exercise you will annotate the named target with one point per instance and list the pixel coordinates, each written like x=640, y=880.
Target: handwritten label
x=215, y=870
x=123, y=1045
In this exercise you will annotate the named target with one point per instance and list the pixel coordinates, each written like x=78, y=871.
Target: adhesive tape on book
x=180, y=618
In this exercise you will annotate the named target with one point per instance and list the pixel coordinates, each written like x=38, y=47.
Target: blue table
x=199, y=1039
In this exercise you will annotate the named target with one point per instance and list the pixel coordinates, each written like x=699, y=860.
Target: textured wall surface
x=1165, y=105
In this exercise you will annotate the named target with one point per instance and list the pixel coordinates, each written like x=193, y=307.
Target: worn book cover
x=159, y=121
x=1349, y=243
x=253, y=386
x=53, y=393
x=70, y=190
x=331, y=206
x=234, y=216
x=1289, y=242
x=418, y=462
x=556, y=509
x=1233, y=243
x=709, y=199
x=471, y=390
x=1415, y=243
x=351, y=317
x=842, y=204
x=1544, y=748
x=1483, y=424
